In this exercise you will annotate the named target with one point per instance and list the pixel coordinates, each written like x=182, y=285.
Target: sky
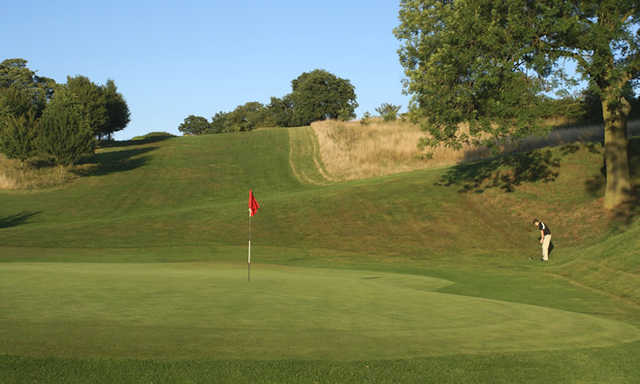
x=171, y=59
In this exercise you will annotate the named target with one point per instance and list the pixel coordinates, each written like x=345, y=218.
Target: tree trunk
x=615, y=111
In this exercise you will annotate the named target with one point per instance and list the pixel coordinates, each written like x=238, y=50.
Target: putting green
x=189, y=310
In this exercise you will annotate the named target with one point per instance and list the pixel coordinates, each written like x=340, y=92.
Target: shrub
x=18, y=136
x=366, y=119
x=65, y=134
x=388, y=112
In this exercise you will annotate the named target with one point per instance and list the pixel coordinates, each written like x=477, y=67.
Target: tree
x=320, y=95
x=21, y=85
x=280, y=111
x=388, y=112
x=18, y=136
x=219, y=123
x=66, y=134
x=247, y=117
x=92, y=100
x=487, y=63
x=19, y=113
x=104, y=107
x=118, y=115
x=15, y=101
x=366, y=119
x=194, y=125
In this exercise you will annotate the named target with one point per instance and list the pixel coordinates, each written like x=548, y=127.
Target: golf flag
x=253, y=204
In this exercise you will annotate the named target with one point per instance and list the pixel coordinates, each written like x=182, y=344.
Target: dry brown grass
x=350, y=150
x=15, y=175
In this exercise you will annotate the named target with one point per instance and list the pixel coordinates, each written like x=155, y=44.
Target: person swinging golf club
x=545, y=237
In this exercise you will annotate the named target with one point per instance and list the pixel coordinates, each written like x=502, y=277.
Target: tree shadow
x=105, y=163
x=149, y=139
x=629, y=210
x=17, y=219
x=505, y=172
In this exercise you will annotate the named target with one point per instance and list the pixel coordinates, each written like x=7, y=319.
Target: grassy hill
x=413, y=277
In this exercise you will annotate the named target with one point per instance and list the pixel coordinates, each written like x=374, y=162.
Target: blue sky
x=171, y=59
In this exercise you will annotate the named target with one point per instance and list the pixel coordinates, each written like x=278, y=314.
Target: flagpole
x=249, y=256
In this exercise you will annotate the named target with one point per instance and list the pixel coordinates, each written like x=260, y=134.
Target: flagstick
x=249, y=257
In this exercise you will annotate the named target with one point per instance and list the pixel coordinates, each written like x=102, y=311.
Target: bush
x=321, y=95
x=388, y=112
x=65, y=134
x=366, y=119
x=194, y=125
x=18, y=136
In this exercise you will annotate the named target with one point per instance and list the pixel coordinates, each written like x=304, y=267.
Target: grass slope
x=449, y=250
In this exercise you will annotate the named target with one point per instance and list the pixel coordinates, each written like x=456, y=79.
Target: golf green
x=209, y=310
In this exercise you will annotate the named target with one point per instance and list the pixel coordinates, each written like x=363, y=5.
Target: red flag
x=253, y=204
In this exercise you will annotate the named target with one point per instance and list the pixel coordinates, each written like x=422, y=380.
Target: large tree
x=194, y=125
x=66, y=134
x=21, y=90
x=118, y=115
x=104, y=107
x=320, y=95
x=488, y=62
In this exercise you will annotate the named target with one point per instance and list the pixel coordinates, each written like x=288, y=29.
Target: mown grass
x=184, y=200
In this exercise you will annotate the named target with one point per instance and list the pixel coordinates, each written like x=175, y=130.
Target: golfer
x=545, y=238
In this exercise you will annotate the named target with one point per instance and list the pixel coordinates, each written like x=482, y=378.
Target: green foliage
x=18, y=135
x=247, y=117
x=388, y=112
x=21, y=90
x=194, y=125
x=14, y=72
x=366, y=119
x=281, y=111
x=316, y=95
x=118, y=115
x=92, y=100
x=320, y=95
x=66, y=134
x=17, y=102
x=466, y=63
x=487, y=63
x=104, y=107
x=244, y=118
x=24, y=97
x=219, y=122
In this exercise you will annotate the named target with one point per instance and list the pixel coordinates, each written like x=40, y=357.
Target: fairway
x=209, y=310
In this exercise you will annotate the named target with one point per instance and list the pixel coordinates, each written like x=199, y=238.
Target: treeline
x=315, y=95
x=59, y=123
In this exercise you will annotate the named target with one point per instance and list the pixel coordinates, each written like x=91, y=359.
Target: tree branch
x=627, y=15
x=579, y=58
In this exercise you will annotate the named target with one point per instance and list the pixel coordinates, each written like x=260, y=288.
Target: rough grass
x=351, y=150
x=16, y=175
x=304, y=155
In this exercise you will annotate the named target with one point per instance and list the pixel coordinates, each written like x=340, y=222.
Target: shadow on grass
x=17, y=219
x=504, y=172
x=147, y=139
x=105, y=163
x=630, y=210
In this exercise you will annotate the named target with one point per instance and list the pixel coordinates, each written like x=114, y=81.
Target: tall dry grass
x=351, y=150
x=15, y=175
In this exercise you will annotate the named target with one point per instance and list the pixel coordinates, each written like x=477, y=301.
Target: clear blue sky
x=172, y=59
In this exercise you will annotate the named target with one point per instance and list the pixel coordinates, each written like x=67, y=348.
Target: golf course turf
x=137, y=272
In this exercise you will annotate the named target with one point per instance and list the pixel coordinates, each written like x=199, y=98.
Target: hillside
x=152, y=241
x=191, y=192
